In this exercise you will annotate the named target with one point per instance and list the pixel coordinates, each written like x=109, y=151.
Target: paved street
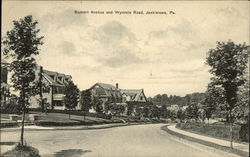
x=136, y=140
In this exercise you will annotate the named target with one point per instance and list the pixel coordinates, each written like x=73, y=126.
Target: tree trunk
x=69, y=113
x=23, y=118
x=231, y=129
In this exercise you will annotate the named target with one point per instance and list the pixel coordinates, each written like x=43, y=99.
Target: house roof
x=106, y=86
x=134, y=93
x=49, y=74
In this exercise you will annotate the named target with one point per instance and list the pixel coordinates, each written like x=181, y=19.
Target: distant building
x=106, y=92
x=133, y=95
x=52, y=90
x=113, y=94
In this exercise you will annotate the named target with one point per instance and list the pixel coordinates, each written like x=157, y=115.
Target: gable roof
x=49, y=74
x=106, y=86
x=133, y=93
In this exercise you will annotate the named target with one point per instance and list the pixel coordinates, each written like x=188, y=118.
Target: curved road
x=137, y=140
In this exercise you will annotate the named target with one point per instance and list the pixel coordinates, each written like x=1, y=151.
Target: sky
x=159, y=53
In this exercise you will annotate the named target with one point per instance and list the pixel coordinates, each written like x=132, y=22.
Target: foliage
x=21, y=44
x=115, y=108
x=71, y=96
x=191, y=111
x=180, y=114
x=164, y=112
x=164, y=99
x=85, y=101
x=214, y=99
x=154, y=112
x=241, y=111
x=228, y=62
x=97, y=104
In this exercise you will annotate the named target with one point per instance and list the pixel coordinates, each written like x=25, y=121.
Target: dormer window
x=52, y=76
x=60, y=78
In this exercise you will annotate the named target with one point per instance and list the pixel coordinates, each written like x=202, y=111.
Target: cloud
x=67, y=48
x=117, y=43
x=121, y=57
x=62, y=19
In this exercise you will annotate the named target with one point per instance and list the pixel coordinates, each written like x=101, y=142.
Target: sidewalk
x=239, y=146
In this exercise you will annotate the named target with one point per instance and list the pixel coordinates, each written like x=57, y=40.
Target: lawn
x=218, y=130
x=60, y=119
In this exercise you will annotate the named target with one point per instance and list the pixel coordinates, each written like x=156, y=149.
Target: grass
x=62, y=119
x=220, y=131
x=206, y=143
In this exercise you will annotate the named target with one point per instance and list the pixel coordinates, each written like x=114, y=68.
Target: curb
x=206, y=143
x=79, y=127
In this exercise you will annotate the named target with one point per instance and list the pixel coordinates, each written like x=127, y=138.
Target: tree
x=72, y=95
x=21, y=44
x=97, y=104
x=192, y=111
x=163, y=111
x=228, y=62
x=180, y=115
x=154, y=112
x=85, y=100
x=214, y=100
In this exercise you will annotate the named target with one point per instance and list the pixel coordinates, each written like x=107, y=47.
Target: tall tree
x=72, y=95
x=228, y=63
x=21, y=45
x=85, y=100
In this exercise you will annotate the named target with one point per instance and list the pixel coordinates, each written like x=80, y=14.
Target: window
x=141, y=97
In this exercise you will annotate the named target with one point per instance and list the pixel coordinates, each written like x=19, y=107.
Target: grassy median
x=218, y=130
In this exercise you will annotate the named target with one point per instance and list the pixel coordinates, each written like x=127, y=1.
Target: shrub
x=11, y=108
x=8, y=124
x=22, y=151
x=244, y=132
x=56, y=123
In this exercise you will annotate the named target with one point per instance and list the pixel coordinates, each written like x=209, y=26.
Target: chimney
x=117, y=85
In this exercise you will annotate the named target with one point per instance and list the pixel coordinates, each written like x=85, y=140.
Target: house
x=113, y=94
x=133, y=95
x=106, y=92
x=4, y=82
x=52, y=90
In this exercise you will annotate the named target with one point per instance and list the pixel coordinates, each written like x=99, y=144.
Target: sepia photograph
x=125, y=78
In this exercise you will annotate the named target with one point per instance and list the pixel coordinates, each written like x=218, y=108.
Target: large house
x=113, y=94
x=52, y=91
x=4, y=82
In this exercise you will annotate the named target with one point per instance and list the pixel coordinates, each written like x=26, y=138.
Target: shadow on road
x=71, y=153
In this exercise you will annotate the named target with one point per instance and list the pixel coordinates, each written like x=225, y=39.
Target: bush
x=22, y=151
x=11, y=108
x=244, y=132
x=57, y=123
x=8, y=124
x=75, y=112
